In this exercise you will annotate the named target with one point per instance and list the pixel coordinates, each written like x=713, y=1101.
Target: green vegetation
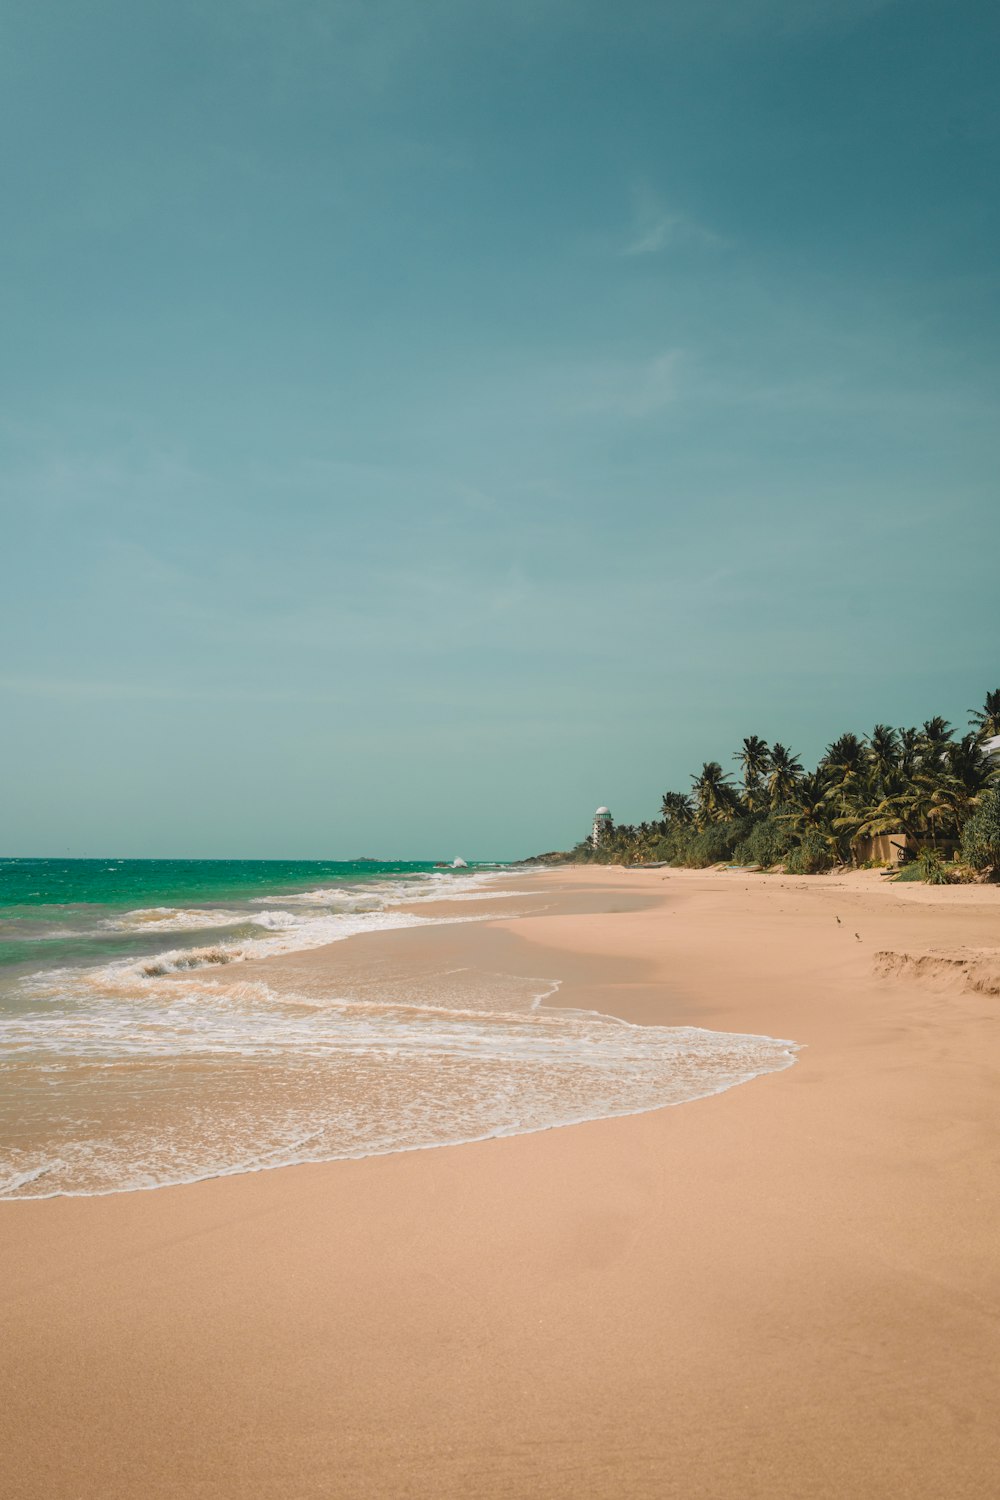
x=981, y=835
x=811, y=856
x=769, y=841
x=936, y=790
x=932, y=868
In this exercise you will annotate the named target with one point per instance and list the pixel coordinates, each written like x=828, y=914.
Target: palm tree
x=905, y=812
x=847, y=763
x=619, y=844
x=852, y=783
x=923, y=782
x=987, y=719
x=847, y=756
x=714, y=795
x=810, y=809
x=969, y=773
x=647, y=837
x=786, y=768
x=934, y=737
x=677, y=807
x=945, y=786
x=909, y=750
x=755, y=759
x=884, y=752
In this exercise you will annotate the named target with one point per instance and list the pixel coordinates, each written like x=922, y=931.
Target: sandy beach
x=789, y=1289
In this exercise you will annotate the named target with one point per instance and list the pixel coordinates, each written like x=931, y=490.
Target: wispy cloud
x=657, y=226
x=615, y=388
x=626, y=388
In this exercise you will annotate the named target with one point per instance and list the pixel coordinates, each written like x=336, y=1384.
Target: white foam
x=253, y=1078
x=404, y=890
x=153, y=919
x=10, y=1187
x=125, y=1079
x=287, y=932
x=316, y=916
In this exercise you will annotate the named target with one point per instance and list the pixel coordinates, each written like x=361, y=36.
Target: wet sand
x=786, y=1290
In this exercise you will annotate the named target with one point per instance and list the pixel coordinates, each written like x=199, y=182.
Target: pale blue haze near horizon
x=424, y=422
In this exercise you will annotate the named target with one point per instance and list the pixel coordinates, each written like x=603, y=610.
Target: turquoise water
x=67, y=911
x=177, y=882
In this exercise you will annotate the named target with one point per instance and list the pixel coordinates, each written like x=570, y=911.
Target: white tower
x=602, y=824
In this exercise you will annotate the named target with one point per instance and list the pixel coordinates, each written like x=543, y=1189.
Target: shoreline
x=781, y=1289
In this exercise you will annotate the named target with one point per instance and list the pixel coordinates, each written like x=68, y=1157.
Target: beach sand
x=786, y=1290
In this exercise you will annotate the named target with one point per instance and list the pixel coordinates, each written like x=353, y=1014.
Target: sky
x=424, y=420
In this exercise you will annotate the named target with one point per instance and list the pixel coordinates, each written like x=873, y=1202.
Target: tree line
x=938, y=788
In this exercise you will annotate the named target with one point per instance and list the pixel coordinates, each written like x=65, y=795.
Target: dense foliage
x=981, y=834
x=938, y=788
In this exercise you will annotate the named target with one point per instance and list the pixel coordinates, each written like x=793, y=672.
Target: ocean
x=136, y=1053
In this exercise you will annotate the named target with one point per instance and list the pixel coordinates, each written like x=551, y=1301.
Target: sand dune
x=971, y=968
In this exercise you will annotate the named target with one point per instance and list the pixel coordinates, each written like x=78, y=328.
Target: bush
x=811, y=857
x=672, y=846
x=932, y=868
x=981, y=834
x=712, y=845
x=767, y=843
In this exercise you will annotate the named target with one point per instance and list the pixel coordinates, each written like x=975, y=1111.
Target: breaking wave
x=187, y=1081
x=174, y=1065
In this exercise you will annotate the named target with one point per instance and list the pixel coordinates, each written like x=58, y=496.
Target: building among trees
x=603, y=824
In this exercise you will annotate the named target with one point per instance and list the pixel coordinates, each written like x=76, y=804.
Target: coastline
x=783, y=1289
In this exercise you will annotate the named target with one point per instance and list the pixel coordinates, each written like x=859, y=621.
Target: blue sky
x=423, y=422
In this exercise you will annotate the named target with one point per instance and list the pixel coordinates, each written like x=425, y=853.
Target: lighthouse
x=603, y=824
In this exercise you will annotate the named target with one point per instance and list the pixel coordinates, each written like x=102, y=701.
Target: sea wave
x=179, y=1065
x=285, y=933
x=422, y=886
x=315, y=916
x=154, y=919
x=213, y=1077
